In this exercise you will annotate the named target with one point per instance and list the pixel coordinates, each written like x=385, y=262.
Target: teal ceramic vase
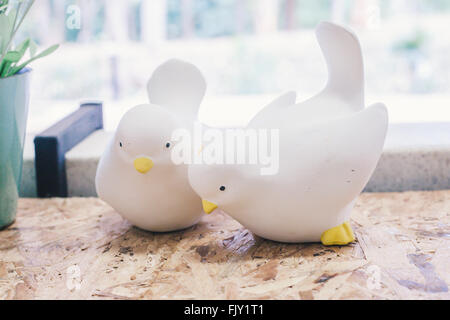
x=14, y=100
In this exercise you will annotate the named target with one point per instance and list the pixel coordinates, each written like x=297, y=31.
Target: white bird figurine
x=136, y=175
x=329, y=147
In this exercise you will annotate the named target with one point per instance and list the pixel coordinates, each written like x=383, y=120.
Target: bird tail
x=343, y=56
x=179, y=86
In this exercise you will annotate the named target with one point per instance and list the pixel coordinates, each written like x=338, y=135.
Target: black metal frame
x=52, y=144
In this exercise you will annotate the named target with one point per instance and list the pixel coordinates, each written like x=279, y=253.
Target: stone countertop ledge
x=416, y=157
x=79, y=248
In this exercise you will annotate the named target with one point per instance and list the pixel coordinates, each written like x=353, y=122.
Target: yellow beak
x=143, y=165
x=208, y=207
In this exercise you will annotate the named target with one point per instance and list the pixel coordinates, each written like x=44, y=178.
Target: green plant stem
x=15, y=28
x=40, y=55
x=15, y=20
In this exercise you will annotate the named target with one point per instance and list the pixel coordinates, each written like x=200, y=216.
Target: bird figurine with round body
x=136, y=175
x=329, y=146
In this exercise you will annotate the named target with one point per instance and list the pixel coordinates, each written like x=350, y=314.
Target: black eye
x=222, y=188
x=120, y=144
x=168, y=145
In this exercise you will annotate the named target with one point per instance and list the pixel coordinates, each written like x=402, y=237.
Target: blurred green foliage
x=12, y=56
x=413, y=43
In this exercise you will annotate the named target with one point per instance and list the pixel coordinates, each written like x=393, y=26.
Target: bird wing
x=343, y=93
x=337, y=159
x=285, y=100
x=177, y=85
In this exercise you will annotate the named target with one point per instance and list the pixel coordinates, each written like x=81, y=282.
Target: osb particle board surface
x=81, y=249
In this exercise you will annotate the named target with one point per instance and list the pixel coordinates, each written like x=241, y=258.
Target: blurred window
x=246, y=49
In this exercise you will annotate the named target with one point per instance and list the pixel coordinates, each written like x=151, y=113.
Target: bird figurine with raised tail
x=329, y=146
x=136, y=174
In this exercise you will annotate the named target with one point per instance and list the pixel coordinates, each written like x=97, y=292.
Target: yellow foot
x=339, y=235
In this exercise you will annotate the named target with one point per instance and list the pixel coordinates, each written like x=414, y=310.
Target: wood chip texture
x=80, y=248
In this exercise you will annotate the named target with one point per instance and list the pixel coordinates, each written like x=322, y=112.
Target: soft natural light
x=292, y=150
x=249, y=52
